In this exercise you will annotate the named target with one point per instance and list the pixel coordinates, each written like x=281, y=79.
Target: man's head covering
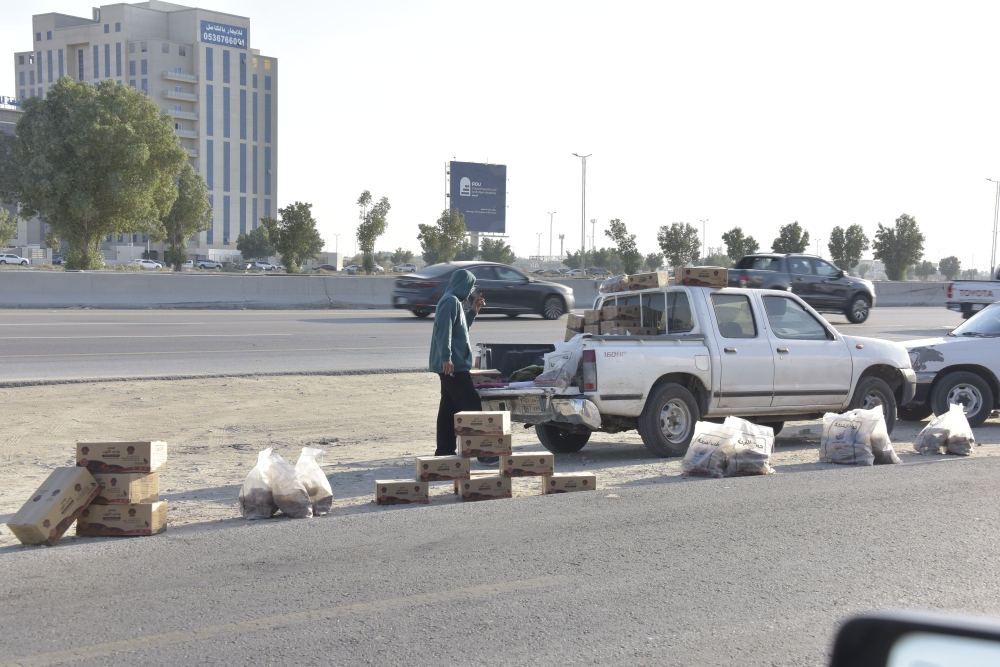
x=461, y=285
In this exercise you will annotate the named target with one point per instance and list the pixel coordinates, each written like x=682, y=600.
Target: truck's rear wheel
x=558, y=441
x=667, y=421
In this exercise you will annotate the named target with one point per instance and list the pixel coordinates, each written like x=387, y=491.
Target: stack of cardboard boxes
x=129, y=502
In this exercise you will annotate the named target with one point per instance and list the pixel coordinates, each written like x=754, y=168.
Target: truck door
x=801, y=278
x=831, y=286
x=746, y=359
x=811, y=366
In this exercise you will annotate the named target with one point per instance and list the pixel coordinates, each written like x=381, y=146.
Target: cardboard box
x=476, y=474
x=648, y=280
x=127, y=488
x=591, y=317
x=566, y=482
x=485, y=376
x=526, y=465
x=620, y=313
x=482, y=423
x=484, y=487
x=122, y=456
x=441, y=468
x=57, y=503
x=705, y=276
x=594, y=329
x=619, y=329
x=122, y=520
x=575, y=322
x=400, y=492
x=472, y=446
x=570, y=335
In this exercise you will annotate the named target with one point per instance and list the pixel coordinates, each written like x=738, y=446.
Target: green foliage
x=8, y=227
x=255, y=244
x=717, y=258
x=846, y=247
x=496, y=250
x=739, y=246
x=970, y=274
x=862, y=270
x=950, y=267
x=925, y=269
x=467, y=252
x=605, y=258
x=653, y=261
x=679, y=243
x=295, y=237
x=444, y=239
x=189, y=215
x=899, y=247
x=630, y=256
x=93, y=161
x=791, y=238
x=401, y=256
x=372, y=225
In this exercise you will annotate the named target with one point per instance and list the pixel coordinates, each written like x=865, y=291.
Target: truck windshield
x=759, y=264
x=983, y=324
x=669, y=312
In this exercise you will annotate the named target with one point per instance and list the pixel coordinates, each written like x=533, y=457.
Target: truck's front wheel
x=558, y=441
x=667, y=422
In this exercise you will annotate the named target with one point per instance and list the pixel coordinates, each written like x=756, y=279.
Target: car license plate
x=401, y=299
x=529, y=405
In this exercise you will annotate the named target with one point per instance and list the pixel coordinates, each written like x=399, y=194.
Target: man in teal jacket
x=451, y=357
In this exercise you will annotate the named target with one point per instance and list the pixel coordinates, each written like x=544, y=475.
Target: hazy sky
x=751, y=114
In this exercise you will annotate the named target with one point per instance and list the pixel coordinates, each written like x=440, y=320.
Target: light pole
x=539, y=235
x=993, y=251
x=583, y=214
x=551, y=214
x=561, y=237
x=704, y=238
x=593, y=234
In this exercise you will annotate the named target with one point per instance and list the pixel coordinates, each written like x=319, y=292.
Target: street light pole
x=704, y=238
x=593, y=234
x=583, y=214
x=539, y=235
x=551, y=214
x=561, y=237
x=993, y=251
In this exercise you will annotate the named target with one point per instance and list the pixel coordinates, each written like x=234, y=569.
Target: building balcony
x=187, y=134
x=174, y=95
x=192, y=152
x=188, y=115
x=178, y=76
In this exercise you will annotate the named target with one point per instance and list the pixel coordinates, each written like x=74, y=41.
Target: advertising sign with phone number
x=224, y=35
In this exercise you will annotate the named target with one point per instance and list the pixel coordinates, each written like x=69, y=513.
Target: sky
x=742, y=114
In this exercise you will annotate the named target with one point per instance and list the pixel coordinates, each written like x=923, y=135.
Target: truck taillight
x=589, y=370
x=949, y=290
x=744, y=280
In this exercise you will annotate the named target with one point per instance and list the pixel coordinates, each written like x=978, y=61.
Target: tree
x=679, y=243
x=739, y=246
x=189, y=215
x=496, y=250
x=630, y=256
x=8, y=227
x=371, y=226
x=654, y=260
x=255, y=244
x=441, y=241
x=899, y=247
x=716, y=257
x=791, y=238
x=925, y=270
x=92, y=161
x=401, y=256
x=950, y=267
x=862, y=270
x=846, y=247
x=970, y=274
x=295, y=236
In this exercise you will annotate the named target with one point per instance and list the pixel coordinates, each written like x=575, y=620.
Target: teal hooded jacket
x=450, y=340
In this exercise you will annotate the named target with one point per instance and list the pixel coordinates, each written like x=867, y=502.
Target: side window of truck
x=800, y=266
x=671, y=312
x=734, y=315
x=790, y=320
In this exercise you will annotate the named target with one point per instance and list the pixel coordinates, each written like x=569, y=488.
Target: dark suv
x=818, y=282
x=507, y=291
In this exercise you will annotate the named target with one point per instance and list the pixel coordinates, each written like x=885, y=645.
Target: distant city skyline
x=751, y=115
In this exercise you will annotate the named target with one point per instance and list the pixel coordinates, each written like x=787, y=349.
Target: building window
x=243, y=215
x=267, y=171
x=267, y=208
x=79, y=62
x=226, y=111
x=22, y=93
x=243, y=69
x=182, y=51
x=210, y=164
x=97, y=62
x=177, y=107
x=166, y=47
x=267, y=118
x=131, y=47
x=210, y=237
x=39, y=61
x=253, y=179
x=267, y=64
x=107, y=61
x=267, y=83
x=20, y=60
x=225, y=66
x=255, y=81
x=38, y=36
x=254, y=120
x=253, y=61
x=243, y=168
x=20, y=76
x=131, y=82
x=131, y=68
x=49, y=54
x=226, y=166
x=209, y=110
x=118, y=27
x=243, y=114
x=62, y=65
x=255, y=214
x=208, y=63
x=31, y=77
x=118, y=59
x=142, y=47
x=48, y=36
x=145, y=86
x=225, y=219
x=144, y=66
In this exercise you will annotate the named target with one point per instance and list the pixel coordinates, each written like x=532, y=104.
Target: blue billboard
x=224, y=35
x=479, y=192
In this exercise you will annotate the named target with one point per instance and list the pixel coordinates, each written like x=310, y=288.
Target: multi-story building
x=198, y=66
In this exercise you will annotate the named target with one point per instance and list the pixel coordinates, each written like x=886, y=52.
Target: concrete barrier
x=909, y=294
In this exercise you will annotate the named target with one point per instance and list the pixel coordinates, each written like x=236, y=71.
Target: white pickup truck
x=971, y=296
x=762, y=355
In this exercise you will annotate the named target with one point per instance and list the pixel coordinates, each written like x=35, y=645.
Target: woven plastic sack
x=750, y=453
x=615, y=284
x=314, y=480
x=950, y=432
x=562, y=365
x=290, y=494
x=706, y=455
x=256, y=496
x=847, y=437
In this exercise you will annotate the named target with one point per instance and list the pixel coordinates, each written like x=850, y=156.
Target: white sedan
x=146, y=264
x=962, y=368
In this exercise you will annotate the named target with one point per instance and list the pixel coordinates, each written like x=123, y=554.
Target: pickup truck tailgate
x=538, y=405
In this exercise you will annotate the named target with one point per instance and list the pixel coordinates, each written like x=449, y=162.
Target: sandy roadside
x=371, y=427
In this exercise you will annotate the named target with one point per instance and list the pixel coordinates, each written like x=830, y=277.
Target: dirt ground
x=370, y=427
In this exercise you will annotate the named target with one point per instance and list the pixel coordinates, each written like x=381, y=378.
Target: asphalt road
x=89, y=344
x=740, y=571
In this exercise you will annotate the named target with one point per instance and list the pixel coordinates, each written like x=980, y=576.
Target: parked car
x=762, y=355
x=13, y=259
x=598, y=272
x=971, y=296
x=574, y=273
x=208, y=264
x=352, y=269
x=506, y=290
x=962, y=367
x=277, y=267
x=813, y=279
x=57, y=259
x=146, y=264
x=404, y=268
x=325, y=267
x=260, y=266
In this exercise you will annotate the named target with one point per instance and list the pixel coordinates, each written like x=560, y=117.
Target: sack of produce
x=706, y=455
x=314, y=480
x=256, y=497
x=615, y=284
x=882, y=451
x=562, y=365
x=949, y=432
x=290, y=494
x=750, y=452
x=847, y=438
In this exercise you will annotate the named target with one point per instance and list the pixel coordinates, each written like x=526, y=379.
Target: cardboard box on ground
x=123, y=520
x=148, y=456
x=57, y=503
